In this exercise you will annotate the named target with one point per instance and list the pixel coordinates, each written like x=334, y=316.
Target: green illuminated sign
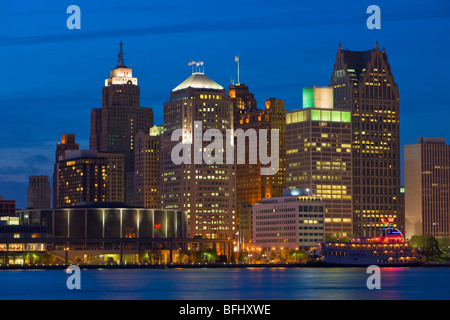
x=315, y=115
x=308, y=97
x=318, y=115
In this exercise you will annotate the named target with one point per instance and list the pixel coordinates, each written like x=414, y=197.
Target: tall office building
x=363, y=83
x=39, y=193
x=206, y=192
x=82, y=178
x=319, y=157
x=251, y=186
x=148, y=168
x=67, y=143
x=115, y=125
x=427, y=186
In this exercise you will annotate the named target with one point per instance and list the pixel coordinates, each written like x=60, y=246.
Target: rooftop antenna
x=120, y=63
x=236, y=59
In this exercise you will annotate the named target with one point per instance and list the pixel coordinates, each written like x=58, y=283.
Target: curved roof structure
x=200, y=81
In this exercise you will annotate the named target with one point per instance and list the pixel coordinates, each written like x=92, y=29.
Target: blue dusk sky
x=52, y=76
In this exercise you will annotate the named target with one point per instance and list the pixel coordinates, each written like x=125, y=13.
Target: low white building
x=292, y=221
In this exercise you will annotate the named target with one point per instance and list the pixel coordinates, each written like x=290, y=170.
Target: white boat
x=388, y=250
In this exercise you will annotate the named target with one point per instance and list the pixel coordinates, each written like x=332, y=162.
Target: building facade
x=39, y=192
x=67, y=143
x=427, y=188
x=294, y=220
x=82, y=178
x=7, y=207
x=319, y=157
x=251, y=185
x=206, y=192
x=115, y=176
x=243, y=100
x=115, y=125
x=363, y=83
x=148, y=168
x=105, y=221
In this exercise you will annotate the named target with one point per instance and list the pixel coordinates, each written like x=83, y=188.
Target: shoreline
x=208, y=266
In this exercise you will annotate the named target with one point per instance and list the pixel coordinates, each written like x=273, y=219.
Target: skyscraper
x=67, y=143
x=39, y=193
x=206, y=192
x=427, y=188
x=319, y=157
x=251, y=186
x=363, y=83
x=148, y=168
x=115, y=125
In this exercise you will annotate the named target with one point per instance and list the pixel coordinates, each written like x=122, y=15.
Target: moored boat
x=388, y=250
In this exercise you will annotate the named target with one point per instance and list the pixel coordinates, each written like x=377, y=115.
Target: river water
x=227, y=284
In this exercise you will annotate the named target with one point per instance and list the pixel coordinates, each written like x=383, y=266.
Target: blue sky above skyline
x=53, y=76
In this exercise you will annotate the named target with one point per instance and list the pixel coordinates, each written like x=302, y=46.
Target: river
x=227, y=284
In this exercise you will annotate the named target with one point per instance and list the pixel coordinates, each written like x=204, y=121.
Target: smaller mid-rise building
x=39, y=192
x=292, y=221
x=81, y=178
x=7, y=207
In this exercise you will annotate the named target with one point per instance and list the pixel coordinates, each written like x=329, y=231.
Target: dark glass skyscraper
x=363, y=84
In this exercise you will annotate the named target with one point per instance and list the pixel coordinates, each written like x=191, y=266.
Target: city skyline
x=302, y=54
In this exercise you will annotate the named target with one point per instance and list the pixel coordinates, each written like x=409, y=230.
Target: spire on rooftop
x=120, y=63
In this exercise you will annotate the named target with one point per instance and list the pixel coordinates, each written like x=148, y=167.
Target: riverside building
x=294, y=220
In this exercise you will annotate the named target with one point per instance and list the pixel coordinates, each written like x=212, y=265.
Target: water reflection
x=229, y=284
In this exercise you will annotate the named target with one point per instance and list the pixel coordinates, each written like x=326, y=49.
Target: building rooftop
x=431, y=141
x=200, y=81
x=357, y=60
